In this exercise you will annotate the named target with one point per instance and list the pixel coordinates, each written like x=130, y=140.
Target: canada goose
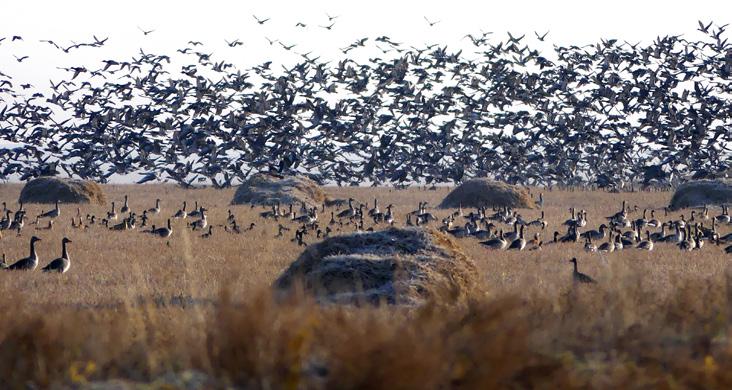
x=231, y=217
x=124, y=225
x=539, y=222
x=164, y=232
x=520, y=242
x=348, y=213
x=18, y=223
x=196, y=211
x=48, y=227
x=686, y=243
x=641, y=222
x=511, y=236
x=461, y=231
x=653, y=222
x=61, y=264
x=209, y=234
x=389, y=216
x=182, y=213
x=579, y=276
x=53, y=213
x=29, y=263
x=6, y=221
x=724, y=217
x=201, y=223
x=156, y=209
x=609, y=246
x=659, y=236
x=647, y=244
x=596, y=235
x=125, y=207
x=589, y=246
x=112, y=215
x=496, y=243
x=374, y=210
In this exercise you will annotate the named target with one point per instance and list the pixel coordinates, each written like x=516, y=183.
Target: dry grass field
x=198, y=313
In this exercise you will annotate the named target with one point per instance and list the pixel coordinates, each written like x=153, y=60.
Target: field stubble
x=134, y=308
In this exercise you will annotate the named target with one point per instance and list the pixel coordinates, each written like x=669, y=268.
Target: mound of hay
x=268, y=189
x=702, y=192
x=395, y=266
x=487, y=193
x=51, y=189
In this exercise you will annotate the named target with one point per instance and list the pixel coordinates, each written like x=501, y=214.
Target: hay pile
x=488, y=193
x=395, y=266
x=268, y=189
x=702, y=192
x=51, y=189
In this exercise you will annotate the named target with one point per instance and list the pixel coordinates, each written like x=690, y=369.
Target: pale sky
x=212, y=22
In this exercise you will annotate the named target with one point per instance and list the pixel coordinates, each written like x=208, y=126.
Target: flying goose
x=61, y=264
x=29, y=263
x=579, y=277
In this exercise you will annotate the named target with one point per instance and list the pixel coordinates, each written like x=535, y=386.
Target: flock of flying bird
x=611, y=114
x=621, y=231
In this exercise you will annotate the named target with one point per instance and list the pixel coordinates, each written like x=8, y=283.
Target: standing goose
x=201, y=223
x=609, y=246
x=520, y=242
x=496, y=243
x=647, y=244
x=53, y=213
x=125, y=207
x=156, y=209
x=112, y=215
x=29, y=263
x=209, y=233
x=164, y=232
x=196, y=211
x=61, y=264
x=182, y=213
x=579, y=276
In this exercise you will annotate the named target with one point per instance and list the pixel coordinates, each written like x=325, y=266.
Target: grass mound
x=702, y=192
x=395, y=266
x=267, y=189
x=51, y=189
x=488, y=193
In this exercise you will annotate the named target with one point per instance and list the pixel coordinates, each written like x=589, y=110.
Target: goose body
x=579, y=277
x=61, y=264
x=29, y=263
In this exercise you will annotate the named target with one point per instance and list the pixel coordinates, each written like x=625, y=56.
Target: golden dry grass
x=133, y=308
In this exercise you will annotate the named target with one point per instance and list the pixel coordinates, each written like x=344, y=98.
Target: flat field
x=193, y=312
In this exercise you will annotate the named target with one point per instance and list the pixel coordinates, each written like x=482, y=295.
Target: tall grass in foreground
x=586, y=336
x=134, y=308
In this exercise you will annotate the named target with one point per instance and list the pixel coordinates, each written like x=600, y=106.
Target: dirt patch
x=268, y=189
x=701, y=193
x=394, y=266
x=51, y=189
x=487, y=193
